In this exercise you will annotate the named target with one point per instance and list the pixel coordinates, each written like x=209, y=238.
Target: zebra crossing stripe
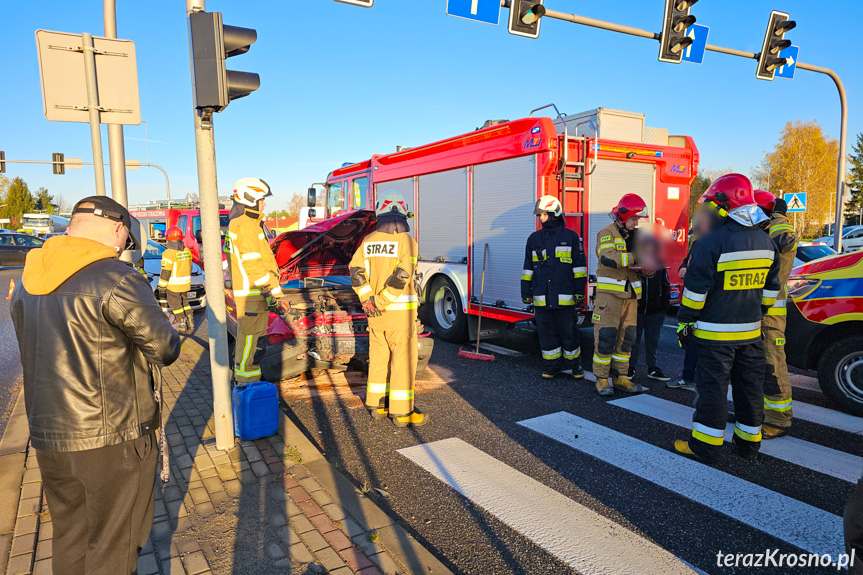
x=803, y=453
x=575, y=534
x=798, y=523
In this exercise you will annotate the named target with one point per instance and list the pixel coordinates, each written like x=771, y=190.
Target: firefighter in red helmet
x=176, y=278
x=731, y=282
x=618, y=289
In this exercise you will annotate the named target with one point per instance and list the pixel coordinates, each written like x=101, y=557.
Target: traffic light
x=774, y=42
x=212, y=43
x=363, y=3
x=2, y=162
x=59, y=163
x=525, y=16
x=674, y=40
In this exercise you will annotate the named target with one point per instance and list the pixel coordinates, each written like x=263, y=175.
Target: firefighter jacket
x=732, y=279
x=252, y=266
x=176, y=275
x=783, y=235
x=615, y=258
x=554, y=270
x=383, y=269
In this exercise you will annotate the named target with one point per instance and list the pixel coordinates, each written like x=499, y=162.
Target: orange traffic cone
x=11, y=289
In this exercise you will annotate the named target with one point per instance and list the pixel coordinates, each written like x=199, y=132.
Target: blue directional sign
x=796, y=202
x=787, y=71
x=695, y=52
x=487, y=11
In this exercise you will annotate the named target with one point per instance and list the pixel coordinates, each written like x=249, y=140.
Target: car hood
x=322, y=249
x=828, y=264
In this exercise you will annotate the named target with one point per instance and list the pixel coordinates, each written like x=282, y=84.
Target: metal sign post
x=93, y=109
x=116, y=146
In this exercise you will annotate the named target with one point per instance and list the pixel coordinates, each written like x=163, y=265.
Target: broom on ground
x=476, y=355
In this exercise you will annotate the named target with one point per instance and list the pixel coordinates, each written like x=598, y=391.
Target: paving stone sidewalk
x=266, y=506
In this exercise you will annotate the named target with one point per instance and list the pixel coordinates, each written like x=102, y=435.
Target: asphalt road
x=10, y=363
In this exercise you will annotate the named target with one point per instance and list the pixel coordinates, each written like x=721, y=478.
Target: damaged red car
x=324, y=326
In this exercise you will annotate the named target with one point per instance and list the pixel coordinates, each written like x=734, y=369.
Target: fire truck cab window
x=335, y=198
x=359, y=189
x=181, y=223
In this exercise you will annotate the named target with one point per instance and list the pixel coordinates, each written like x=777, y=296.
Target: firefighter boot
x=623, y=383
x=381, y=411
x=603, y=387
x=578, y=372
x=415, y=419
x=773, y=432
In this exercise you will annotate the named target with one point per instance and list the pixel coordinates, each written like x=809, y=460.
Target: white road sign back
x=64, y=84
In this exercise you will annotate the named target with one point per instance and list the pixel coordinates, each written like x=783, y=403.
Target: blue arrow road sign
x=787, y=71
x=487, y=11
x=796, y=202
x=695, y=52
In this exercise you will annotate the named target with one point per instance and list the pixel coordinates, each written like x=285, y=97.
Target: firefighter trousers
x=614, y=321
x=252, y=322
x=777, y=385
x=743, y=365
x=558, y=338
x=392, y=369
x=179, y=304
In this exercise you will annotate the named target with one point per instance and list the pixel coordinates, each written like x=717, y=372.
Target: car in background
x=53, y=234
x=808, y=251
x=324, y=326
x=14, y=248
x=852, y=239
x=825, y=325
x=153, y=267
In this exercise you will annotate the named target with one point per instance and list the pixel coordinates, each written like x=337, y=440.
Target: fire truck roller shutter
x=608, y=183
x=406, y=187
x=504, y=194
x=443, y=213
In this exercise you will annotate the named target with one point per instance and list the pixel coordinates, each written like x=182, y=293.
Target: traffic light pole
x=116, y=147
x=208, y=192
x=843, y=101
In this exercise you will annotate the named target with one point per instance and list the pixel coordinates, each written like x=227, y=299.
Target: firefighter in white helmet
x=553, y=279
x=383, y=272
x=254, y=276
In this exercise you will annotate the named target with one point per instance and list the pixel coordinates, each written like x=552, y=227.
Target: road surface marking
x=578, y=536
x=795, y=522
x=803, y=453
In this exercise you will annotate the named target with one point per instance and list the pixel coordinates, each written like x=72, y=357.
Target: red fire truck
x=187, y=218
x=480, y=188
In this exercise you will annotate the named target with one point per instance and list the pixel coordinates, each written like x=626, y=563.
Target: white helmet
x=249, y=191
x=391, y=202
x=548, y=205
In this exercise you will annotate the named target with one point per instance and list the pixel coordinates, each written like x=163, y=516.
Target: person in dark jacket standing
x=652, y=307
x=554, y=279
x=90, y=334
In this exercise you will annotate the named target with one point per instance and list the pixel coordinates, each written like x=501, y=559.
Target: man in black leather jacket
x=90, y=333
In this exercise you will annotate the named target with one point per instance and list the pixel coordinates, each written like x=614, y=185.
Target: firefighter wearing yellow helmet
x=254, y=276
x=383, y=271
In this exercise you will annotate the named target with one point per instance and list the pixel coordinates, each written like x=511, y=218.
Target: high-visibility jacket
x=554, y=270
x=731, y=281
x=384, y=269
x=615, y=258
x=782, y=233
x=252, y=266
x=176, y=273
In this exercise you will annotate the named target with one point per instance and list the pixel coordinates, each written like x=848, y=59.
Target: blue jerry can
x=256, y=410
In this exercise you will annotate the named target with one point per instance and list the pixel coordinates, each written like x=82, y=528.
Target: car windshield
x=153, y=251
x=329, y=281
x=36, y=222
x=809, y=253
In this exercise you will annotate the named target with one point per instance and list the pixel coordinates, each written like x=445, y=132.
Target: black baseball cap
x=105, y=207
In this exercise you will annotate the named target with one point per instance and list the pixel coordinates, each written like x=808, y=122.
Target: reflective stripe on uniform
x=601, y=360
x=708, y=435
x=605, y=280
x=401, y=394
x=727, y=331
x=620, y=357
x=572, y=354
x=778, y=308
x=377, y=387
x=637, y=287
x=565, y=299
x=527, y=275
x=403, y=303
x=566, y=250
x=693, y=299
x=747, y=432
x=250, y=256
x=605, y=246
x=364, y=290
x=539, y=256
x=261, y=281
x=551, y=353
x=539, y=300
x=745, y=260
x=784, y=405
x=579, y=272
x=768, y=297
x=247, y=348
x=624, y=259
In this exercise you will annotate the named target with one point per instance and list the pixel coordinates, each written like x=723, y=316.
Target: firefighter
x=618, y=290
x=176, y=278
x=383, y=273
x=777, y=386
x=553, y=279
x=731, y=282
x=254, y=277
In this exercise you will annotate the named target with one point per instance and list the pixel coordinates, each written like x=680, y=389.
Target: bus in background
x=41, y=224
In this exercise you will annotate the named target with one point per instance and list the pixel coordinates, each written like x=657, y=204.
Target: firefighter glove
x=527, y=300
x=684, y=333
x=370, y=309
x=579, y=299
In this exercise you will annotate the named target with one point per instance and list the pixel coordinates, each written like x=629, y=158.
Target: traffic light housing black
x=2, y=162
x=525, y=17
x=59, y=163
x=363, y=3
x=212, y=43
x=774, y=43
x=673, y=40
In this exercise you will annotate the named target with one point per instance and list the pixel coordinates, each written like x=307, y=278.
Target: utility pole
x=208, y=192
x=116, y=146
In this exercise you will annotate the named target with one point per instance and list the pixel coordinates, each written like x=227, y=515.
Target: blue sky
x=339, y=83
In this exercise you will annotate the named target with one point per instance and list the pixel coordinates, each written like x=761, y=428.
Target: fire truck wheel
x=840, y=373
x=446, y=315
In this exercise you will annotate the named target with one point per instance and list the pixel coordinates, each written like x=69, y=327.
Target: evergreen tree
x=44, y=201
x=853, y=208
x=18, y=202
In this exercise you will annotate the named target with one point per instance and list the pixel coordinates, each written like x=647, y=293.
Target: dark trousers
x=854, y=529
x=743, y=365
x=179, y=304
x=101, y=502
x=650, y=325
x=690, y=360
x=558, y=338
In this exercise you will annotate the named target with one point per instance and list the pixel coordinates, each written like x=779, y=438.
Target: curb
x=13, y=453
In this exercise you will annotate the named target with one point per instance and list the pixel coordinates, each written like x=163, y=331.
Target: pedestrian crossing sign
x=796, y=202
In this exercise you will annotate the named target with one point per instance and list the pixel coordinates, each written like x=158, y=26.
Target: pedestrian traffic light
x=2, y=162
x=774, y=42
x=363, y=3
x=59, y=161
x=525, y=16
x=674, y=40
x=212, y=43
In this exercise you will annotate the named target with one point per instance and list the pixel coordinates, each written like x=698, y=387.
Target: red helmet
x=630, y=206
x=766, y=200
x=174, y=234
x=730, y=192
